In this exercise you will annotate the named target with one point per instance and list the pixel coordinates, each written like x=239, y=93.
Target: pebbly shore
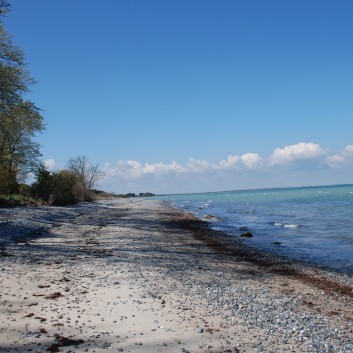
x=139, y=276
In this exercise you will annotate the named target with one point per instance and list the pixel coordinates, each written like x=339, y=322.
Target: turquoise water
x=314, y=224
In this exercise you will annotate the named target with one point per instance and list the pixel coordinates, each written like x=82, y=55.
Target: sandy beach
x=138, y=276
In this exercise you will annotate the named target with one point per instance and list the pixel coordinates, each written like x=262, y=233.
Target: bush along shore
x=133, y=275
x=60, y=188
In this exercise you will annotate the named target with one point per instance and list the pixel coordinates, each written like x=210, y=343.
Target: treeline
x=67, y=186
x=20, y=119
x=141, y=194
x=62, y=187
x=73, y=184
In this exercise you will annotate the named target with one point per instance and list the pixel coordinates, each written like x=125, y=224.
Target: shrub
x=57, y=188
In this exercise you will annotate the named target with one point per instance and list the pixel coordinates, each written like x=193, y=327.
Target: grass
x=13, y=200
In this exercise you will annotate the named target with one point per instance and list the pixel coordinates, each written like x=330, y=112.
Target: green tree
x=19, y=152
x=14, y=76
x=64, y=188
x=57, y=188
x=42, y=187
x=20, y=120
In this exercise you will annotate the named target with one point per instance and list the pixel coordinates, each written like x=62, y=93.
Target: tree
x=57, y=188
x=14, y=76
x=19, y=153
x=64, y=188
x=42, y=187
x=87, y=174
x=20, y=120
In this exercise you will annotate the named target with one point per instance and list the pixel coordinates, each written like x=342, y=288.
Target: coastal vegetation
x=69, y=185
x=61, y=187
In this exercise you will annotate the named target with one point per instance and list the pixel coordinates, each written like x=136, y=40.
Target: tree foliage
x=4, y=7
x=14, y=76
x=20, y=120
x=55, y=188
x=66, y=186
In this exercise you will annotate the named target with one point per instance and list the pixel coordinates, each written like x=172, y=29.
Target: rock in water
x=246, y=235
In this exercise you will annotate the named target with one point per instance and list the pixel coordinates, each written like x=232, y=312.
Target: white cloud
x=135, y=169
x=300, y=151
x=158, y=168
x=247, y=160
x=198, y=166
x=251, y=160
x=230, y=162
x=50, y=163
x=248, y=170
x=345, y=157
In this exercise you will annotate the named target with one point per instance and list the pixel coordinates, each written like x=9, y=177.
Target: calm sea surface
x=313, y=224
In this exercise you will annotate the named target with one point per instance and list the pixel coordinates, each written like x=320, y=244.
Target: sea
x=311, y=224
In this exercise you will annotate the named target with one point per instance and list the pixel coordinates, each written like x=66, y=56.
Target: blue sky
x=183, y=96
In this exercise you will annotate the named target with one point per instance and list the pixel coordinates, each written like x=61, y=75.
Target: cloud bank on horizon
x=283, y=167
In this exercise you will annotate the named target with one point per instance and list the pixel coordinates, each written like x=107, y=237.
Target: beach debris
x=63, y=342
x=41, y=319
x=64, y=279
x=54, y=295
x=246, y=235
x=58, y=324
x=43, y=285
x=29, y=315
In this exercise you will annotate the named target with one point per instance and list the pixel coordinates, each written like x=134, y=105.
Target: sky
x=185, y=96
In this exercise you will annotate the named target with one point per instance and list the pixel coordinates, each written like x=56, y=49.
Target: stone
x=246, y=235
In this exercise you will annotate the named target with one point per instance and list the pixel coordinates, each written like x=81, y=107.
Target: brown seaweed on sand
x=54, y=295
x=63, y=342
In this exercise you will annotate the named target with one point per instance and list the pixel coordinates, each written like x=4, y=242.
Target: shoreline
x=231, y=246
x=140, y=276
x=311, y=225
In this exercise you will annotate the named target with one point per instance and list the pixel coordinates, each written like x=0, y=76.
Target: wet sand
x=138, y=276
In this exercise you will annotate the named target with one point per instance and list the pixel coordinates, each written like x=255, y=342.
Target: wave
x=286, y=225
x=292, y=226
